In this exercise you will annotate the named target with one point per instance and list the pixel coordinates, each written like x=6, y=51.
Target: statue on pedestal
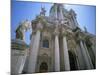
x=19, y=34
x=21, y=29
x=85, y=29
x=43, y=11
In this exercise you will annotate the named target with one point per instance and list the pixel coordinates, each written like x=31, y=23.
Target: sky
x=20, y=11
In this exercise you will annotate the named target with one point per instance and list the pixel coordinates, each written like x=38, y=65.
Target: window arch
x=45, y=43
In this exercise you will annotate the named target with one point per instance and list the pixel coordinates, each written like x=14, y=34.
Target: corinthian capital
x=39, y=26
x=63, y=31
x=56, y=31
x=79, y=36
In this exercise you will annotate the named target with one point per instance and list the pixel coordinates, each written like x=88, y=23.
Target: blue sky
x=86, y=15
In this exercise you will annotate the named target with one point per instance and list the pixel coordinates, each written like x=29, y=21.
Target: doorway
x=73, y=61
x=43, y=67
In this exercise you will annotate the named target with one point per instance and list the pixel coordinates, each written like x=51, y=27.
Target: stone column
x=89, y=58
x=57, y=56
x=34, y=50
x=66, y=55
x=94, y=50
x=86, y=56
x=65, y=50
x=61, y=18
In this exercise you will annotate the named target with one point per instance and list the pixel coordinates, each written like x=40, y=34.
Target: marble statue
x=21, y=29
x=43, y=11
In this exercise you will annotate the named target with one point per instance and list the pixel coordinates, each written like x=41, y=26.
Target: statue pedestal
x=19, y=52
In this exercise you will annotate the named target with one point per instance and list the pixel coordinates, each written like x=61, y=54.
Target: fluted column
x=94, y=50
x=90, y=61
x=66, y=55
x=92, y=46
x=57, y=56
x=86, y=56
x=34, y=50
x=65, y=50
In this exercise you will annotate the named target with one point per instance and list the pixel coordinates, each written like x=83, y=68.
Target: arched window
x=46, y=43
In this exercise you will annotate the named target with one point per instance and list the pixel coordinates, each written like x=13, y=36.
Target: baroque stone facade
x=58, y=44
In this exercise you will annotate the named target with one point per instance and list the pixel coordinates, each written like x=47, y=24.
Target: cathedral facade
x=57, y=44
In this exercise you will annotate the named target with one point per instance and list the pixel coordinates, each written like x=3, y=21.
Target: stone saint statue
x=85, y=29
x=21, y=29
x=43, y=11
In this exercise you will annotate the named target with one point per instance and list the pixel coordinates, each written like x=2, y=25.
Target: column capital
x=80, y=36
x=56, y=31
x=63, y=31
x=39, y=26
x=66, y=32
